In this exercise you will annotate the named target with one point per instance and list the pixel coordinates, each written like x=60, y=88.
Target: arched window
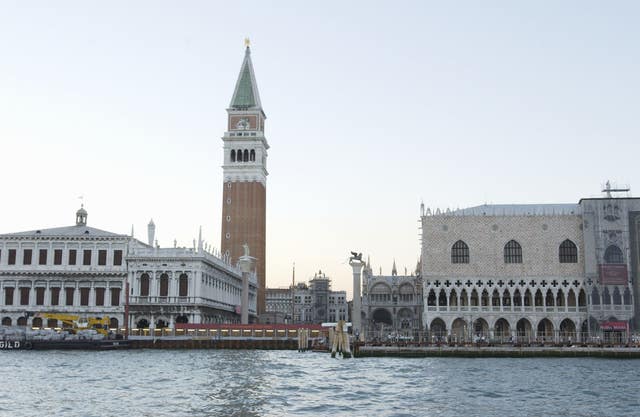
x=538, y=299
x=164, y=285
x=474, y=298
x=495, y=299
x=144, y=285
x=233, y=155
x=484, y=298
x=613, y=255
x=517, y=298
x=431, y=299
x=453, y=298
x=245, y=157
x=506, y=298
x=464, y=298
x=568, y=252
x=512, y=252
x=239, y=155
x=549, y=299
x=460, y=253
x=252, y=155
x=582, y=298
x=617, y=297
x=183, y=286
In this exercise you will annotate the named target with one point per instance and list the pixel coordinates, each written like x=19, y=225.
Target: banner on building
x=613, y=274
x=614, y=325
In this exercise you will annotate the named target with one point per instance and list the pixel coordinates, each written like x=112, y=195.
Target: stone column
x=356, y=313
x=32, y=295
x=245, y=263
x=47, y=295
x=107, y=294
x=153, y=284
x=92, y=295
x=76, y=294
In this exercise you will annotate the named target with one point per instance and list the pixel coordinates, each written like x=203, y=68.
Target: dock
x=364, y=351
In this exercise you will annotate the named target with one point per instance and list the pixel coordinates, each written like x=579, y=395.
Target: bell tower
x=245, y=176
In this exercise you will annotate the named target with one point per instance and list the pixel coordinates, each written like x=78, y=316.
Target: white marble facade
x=85, y=271
x=522, y=271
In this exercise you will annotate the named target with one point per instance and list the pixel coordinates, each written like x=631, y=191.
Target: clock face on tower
x=242, y=124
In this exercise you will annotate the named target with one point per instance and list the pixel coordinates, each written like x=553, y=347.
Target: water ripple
x=276, y=383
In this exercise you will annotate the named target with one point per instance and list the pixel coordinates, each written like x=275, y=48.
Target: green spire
x=246, y=95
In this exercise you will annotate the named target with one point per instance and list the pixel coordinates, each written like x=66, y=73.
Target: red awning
x=613, y=325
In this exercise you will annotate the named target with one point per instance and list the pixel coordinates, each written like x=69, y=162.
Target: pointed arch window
x=233, y=155
x=568, y=252
x=245, y=157
x=252, y=155
x=239, y=155
x=613, y=255
x=512, y=252
x=460, y=253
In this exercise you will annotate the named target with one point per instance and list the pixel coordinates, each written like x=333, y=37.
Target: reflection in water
x=275, y=383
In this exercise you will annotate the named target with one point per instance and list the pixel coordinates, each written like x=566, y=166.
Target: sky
x=372, y=108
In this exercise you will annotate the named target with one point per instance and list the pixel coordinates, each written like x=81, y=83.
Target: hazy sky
x=372, y=107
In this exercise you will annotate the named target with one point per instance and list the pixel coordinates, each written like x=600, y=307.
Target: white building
x=544, y=271
x=184, y=285
x=76, y=269
x=85, y=271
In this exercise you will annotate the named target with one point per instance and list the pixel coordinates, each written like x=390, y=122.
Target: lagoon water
x=281, y=383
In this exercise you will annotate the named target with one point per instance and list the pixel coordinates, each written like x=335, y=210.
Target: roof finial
x=247, y=42
x=81, y=216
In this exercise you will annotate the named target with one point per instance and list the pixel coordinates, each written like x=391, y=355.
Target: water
x=281, y=383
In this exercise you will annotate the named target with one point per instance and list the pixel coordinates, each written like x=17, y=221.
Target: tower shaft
x=245, y=177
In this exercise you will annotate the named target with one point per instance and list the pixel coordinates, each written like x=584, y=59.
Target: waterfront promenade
x=497, y=351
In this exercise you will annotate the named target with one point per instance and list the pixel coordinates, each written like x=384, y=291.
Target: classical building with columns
x=85, y=271
x=533, y=271
x=73, y=270
x=184, y=285
x=391, y=305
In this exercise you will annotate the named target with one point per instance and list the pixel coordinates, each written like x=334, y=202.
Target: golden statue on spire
x=247, y=42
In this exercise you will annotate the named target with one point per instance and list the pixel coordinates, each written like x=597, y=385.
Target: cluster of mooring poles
x=339, y=340
x=303, y=340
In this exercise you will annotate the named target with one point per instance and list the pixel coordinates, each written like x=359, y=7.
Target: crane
x=76, y=322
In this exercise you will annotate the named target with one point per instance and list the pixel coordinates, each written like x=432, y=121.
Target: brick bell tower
x=245, y=176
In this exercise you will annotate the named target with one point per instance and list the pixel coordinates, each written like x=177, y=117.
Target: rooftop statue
x=356, y=256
